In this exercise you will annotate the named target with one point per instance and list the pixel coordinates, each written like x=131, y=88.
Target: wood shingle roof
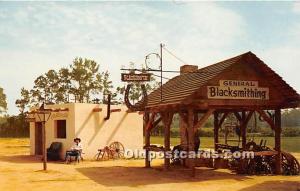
x=177, y=89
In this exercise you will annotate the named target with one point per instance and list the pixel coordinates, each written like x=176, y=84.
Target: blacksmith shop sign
x=135, y=77
x=133, y=81
x=236, y=89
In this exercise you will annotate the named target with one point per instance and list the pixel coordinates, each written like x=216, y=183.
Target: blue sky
x=38, y=36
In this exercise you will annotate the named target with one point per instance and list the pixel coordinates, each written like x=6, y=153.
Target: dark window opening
x=61, y=129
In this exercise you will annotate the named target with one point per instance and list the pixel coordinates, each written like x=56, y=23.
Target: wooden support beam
x=243, y=127
x=147, y=139
x=191, y=139
x=244, y=122
x=183, y=129
x=217, y=124
x=156, y=122
x=203, y=119
x=222, y=119
x=238, y=116
x=167, y=118
x=278, y=166
x=216, y=128
x=147, y=124
x=267, y=118
x=247, y=118
x=183, y=116
x=150, y=122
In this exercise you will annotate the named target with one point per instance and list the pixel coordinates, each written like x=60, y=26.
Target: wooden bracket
x=183, y=116
x=150, y=122
x=156, y=122
x=203, y=119
x=238, y=116
x=223, y=119
x=167, y=118
x=267, y=118
x=247, y=119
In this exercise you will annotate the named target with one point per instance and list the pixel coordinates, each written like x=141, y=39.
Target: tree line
x=83, y=82
x=79, y=82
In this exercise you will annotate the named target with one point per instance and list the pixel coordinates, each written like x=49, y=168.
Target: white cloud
x=50, y=35
x=296, y=7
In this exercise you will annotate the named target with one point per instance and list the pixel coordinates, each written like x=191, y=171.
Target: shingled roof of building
x=177, y=89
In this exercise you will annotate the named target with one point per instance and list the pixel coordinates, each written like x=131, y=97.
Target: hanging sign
x=236, y=89
x=135, y=77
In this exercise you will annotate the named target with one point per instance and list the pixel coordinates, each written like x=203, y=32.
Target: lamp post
x=44, y=115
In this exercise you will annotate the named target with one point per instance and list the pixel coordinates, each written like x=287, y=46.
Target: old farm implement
x=114, y=151
x=264, y=161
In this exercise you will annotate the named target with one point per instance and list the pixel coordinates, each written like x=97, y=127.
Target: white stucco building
x=86, y=121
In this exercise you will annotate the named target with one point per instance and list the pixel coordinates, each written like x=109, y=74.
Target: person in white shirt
x=75, y=150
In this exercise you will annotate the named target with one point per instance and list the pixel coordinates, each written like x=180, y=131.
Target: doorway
x=38, y=138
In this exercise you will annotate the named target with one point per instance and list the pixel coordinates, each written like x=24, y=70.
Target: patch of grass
x=14, y=146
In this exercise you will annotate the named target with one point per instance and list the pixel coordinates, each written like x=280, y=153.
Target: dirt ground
x=19, y=171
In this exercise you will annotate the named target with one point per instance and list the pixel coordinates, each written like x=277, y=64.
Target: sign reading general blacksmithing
x=237, y=89
x=135, y=77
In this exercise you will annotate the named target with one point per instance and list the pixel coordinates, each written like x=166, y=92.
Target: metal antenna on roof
x=149, y=68
x=161, y=61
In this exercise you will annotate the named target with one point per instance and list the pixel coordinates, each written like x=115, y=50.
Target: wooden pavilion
x=240, y=85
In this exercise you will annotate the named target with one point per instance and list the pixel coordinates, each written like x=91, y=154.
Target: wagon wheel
x=117, y=150
x=290, y=165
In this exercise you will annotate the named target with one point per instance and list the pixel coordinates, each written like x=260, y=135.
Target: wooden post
x=167, y=118
x=147, y=139
x=243, y=129
x=277, y=140
x=191, y=141
x=216, y=129
x=183, y=129
x=167, y=144
x=44, y=145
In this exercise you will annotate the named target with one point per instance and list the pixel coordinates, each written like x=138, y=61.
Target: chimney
x=188, y=68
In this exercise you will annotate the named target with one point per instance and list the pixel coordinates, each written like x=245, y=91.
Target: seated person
x=75, y=150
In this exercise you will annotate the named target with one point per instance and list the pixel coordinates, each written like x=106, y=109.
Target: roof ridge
x=220, y=62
